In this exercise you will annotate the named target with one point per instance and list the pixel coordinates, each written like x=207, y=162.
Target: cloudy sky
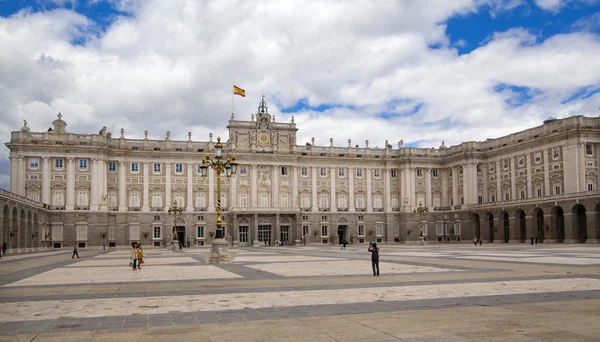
x=418, y=70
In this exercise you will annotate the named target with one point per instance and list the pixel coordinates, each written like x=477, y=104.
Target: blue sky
x=421, y=72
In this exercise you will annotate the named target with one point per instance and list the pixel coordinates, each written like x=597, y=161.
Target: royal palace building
x=538, y=183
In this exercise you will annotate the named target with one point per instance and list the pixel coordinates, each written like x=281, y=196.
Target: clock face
x=263, y=138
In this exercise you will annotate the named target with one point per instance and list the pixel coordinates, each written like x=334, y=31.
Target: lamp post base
x=174, y=245
x=421, y=241
x=219, y=253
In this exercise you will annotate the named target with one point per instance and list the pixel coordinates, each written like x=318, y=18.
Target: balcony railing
x=342, y=209
x=395, y=209
x=305, y=209
x=378, y=209
x=441, y=208
x=156, y=209
x=361, y=209
x=199, y=209
x=82, y=207
x=324, y=209
x=113, y=208
x=57, y=207
x=134, y=209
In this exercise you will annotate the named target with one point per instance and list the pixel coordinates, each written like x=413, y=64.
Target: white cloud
x=171, y=66
x=557, y=5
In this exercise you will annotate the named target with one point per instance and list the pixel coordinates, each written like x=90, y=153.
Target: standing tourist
x=374, y=257
x=133, y=257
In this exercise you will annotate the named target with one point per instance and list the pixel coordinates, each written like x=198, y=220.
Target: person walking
x=475, y=240
x=140, y=256
x=1, y=252
x=4, y=247
x=75, y=252
x=374, y=257
x=104, y=245
x=133, y=257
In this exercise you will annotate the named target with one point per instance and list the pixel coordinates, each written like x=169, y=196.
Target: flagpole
x=232, y=104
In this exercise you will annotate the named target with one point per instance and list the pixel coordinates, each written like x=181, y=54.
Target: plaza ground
x=494, y=292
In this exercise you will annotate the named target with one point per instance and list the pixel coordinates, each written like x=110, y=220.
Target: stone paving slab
x=538, y=260
x=345, y=267
x=148, y=261
x=279, y=258
x=93, y=275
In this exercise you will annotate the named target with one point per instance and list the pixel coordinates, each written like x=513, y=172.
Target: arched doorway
x=343, y=231
x=537, y=226
x=180, y=229
x=36, y=231
x=29, y=231
x=492, y=228
x=12, y=235
x=579, y=219
x=521, y=225
x=558, y=224
x=506, y=226
x=476, y=226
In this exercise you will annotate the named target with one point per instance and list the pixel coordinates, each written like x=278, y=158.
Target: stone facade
x=541, y=182
x=25, y=225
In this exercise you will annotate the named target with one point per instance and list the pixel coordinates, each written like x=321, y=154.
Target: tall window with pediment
x=421, y=200
x=58, y=197
x=378, y=201
x=360, y=201
x=200, y=200
x=179, y=200
x=395, y=201
x=323, y=201
x=284, y=200
x=157, y=200
x=83, y=198
x=264, y=200
x=134, y=199
x=223, y=200
x=305, y=201
x=33, y=194
x=243, y=200
x=112, y=199
x=342, y=201
x=437, y=200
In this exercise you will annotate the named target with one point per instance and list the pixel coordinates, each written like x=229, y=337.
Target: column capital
x=70, y=159
x=45, y=158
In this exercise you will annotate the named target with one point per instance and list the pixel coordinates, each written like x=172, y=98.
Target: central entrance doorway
x=343, y=233
x=264, y=233
x=285, y=234
x=180, y=230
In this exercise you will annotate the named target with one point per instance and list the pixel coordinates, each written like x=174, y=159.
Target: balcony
x=378, y=209
x=156, y=209
x=82, y=207
x=113, y=208
x=134, y=209
x=441, y=208
x=361, y=209
x=324, y=209
x=305, y=209
x=395, y=209
x=199, y=209
x=342, y=209
x=57, y=207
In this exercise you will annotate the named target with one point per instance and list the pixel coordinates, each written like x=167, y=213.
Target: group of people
x=137, y=257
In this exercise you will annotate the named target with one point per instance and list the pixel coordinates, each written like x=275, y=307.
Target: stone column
x=369, y=191
x=295, y=187
x=190, y=189
x=465, y=184
x=387, y=190
x=513, y=179
x=122, y=188
x=484, y=178
x=168, y=187
x=254, y=189
x=211, y=190
x=428, y=198
x=21, y=173
x=350, y=190
x=14, y=174
x=546, y=173
x=255, y=242
x=103, y=190
x=444, y=176
x=333, y=204
x=529, y=190
x=277, y=227
x=94, y=185
x=498, y=182
x=455, y=200
x=314, y=189
x=70, y=184
x=236, y=231
x=275, y=187
x=403, y=189
x=232, y=192
x=582, y=182
x=146, y=186
x=46, y=180
x=413, y=189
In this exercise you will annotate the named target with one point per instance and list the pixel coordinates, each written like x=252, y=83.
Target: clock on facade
x=263, y=138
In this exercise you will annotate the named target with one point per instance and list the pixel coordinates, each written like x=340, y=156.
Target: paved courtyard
x=319, y=293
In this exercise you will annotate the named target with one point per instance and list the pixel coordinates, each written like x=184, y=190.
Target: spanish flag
x=239, y=91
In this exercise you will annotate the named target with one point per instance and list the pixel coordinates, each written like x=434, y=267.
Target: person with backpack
x=374, y=257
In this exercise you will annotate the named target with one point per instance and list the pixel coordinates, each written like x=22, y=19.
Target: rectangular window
x=323, y=171
x=435, y=173
x=493, y=198
x=156, y=168
x=555, y=153
x=557, y=190
x=243, y=200
x=34, y=163
x=478, y=167
x=361, y=230
x=590, y=187
x=588, y=149
x=419, y=173
x=284, y=171
x=323, y=218
x=58, y=163
x=480, y=199
x=457, y=228
x=522, y=194
x=424, y=227
x=179, y=168
x=243, y=170
x=379, y=230
x=505, y=164
x=359, y=173
x=112, y=166
x=200, y=232
x=439, y=229
x=507, y=196
x=539, y=192
x=305, y=230
x=135, y=167
x=394, y=173
x=361, y=218
x=341, y=172
x=491, y=166
x=304, y=217
x=83, y=164
x=377, y=173
x=156, y=232
x=243, y=234
x=589, y=163
x=538, y=157
x=284, y=203
x=304, y=171
x=324, y=231
x=521, y=161
x=264, y=200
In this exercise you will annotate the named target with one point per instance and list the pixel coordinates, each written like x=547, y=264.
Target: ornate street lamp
x=421, y=209
x=175, y=210
x=218, y=165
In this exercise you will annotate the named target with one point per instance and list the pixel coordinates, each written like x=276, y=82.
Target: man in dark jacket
x=374, y=257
